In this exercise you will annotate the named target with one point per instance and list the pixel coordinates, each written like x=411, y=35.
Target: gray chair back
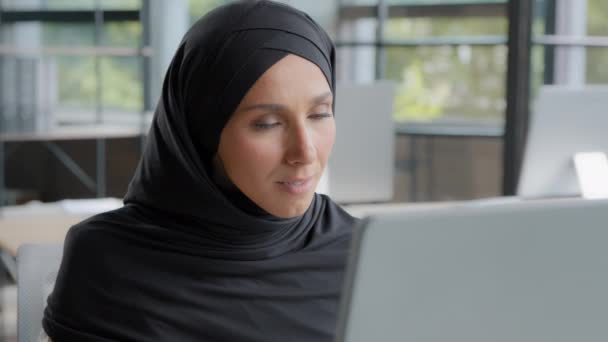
x=37, y=266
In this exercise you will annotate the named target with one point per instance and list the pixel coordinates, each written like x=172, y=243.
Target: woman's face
x=275, y=146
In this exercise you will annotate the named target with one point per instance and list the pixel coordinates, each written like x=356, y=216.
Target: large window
x=67, y=62
x=449, y=62
x=571, y=42
x=448, y=59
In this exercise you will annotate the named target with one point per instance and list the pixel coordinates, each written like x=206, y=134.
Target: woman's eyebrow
x=275, y=107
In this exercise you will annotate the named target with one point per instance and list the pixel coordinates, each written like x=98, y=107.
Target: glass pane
x=547, y=68
x=50, y=4
x=66, y=34
x=121, y=85
x=597, y=11
x=18, y=93
x=448, y=83
x=542, y=9
x=77, y=84
x=355, y=64
x=539, y=61
x=122, y=34
x=198, y=8
x=323, y=12
x=120, y=4
x=74, y=82
x=71, y=4
x=597, y=67
x=359, y=2
x=400, y=28
x=359, y=30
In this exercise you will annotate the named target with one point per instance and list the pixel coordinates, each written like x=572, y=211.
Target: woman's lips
x=296, y=186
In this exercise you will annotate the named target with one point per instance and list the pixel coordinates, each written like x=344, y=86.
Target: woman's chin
x=290, y=209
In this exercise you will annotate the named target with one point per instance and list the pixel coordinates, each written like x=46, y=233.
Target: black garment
x=184, y=260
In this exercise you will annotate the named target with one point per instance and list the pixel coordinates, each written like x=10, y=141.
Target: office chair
x=37, y=266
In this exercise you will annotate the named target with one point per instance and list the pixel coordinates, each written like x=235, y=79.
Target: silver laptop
x=523, y=271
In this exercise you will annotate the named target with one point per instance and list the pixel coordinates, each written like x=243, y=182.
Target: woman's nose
x=301, y=149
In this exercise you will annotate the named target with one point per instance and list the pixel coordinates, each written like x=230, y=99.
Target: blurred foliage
x=442, y=26
x=417, y=99
x=460, y=82
x=597, y=10
x=597, y=65
x=198, y=8
x=121, y=82
x=121, y=85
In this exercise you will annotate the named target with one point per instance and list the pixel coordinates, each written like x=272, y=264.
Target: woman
x=222, y=237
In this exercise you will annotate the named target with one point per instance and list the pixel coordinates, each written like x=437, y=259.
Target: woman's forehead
x=292, y=76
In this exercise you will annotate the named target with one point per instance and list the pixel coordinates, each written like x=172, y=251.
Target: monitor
x=361, y=166
x=518, y=271
x=564, y=121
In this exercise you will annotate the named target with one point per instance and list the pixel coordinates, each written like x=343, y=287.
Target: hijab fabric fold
x=183, y=259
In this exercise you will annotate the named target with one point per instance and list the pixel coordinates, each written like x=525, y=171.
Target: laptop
x=520, y=271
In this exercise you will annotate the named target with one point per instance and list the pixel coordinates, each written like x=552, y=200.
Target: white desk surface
x=38, y=222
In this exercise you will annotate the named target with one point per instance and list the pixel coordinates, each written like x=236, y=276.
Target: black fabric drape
x=182, y=260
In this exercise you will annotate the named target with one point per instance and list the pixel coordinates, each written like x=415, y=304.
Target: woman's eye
x=320, y=116
x=265, y=125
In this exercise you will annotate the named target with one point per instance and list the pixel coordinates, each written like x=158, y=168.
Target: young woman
x=222, y=236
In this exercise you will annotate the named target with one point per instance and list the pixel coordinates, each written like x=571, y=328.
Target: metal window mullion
x=2, y=182
x=64, y=16
x=144, y=20
x=549, y=73
x=381, y=16
x=100, y=146
x=98, y=75
x=100, y=143
x=72, y=166
x=2, y=113
x=518, y=92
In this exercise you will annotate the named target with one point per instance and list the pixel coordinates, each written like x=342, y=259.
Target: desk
x=37, y=222
x=49, y=222
x=40, y=229
x=43, y=229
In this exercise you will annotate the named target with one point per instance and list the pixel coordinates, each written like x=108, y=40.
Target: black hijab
x=184, y=259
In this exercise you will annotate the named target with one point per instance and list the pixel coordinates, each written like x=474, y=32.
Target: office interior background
x=79, y=81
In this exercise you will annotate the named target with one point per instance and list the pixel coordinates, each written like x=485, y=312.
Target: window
x=449, y=62
x=81, y=70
